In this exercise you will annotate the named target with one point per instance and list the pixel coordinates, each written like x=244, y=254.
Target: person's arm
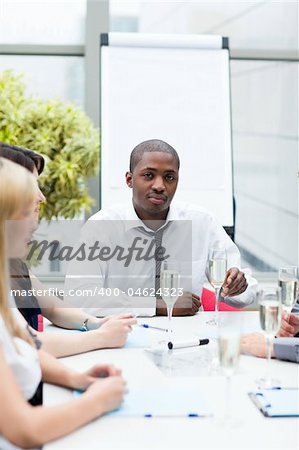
x=113, y=333
x=54, y=372
x=35, y=426
x=71, y=318
x=283, y=348
x=61, y=312
x=286, y=349
x=254, y=344
x=242, y=289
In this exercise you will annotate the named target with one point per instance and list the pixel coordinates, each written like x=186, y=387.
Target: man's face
x=154, y=181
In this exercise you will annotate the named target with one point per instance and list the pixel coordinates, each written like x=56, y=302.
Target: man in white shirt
x=128, y=241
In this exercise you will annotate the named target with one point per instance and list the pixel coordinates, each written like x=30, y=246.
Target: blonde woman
x=21, y=366
x=103, y=333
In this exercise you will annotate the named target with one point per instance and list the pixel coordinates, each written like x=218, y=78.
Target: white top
x=189, y=233
x=23, y=361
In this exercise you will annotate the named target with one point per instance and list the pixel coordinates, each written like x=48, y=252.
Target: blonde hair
x=17, y=192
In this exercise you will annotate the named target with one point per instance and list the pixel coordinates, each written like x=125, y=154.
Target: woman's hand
x=83, y=380
x=106, y=394
x=114, y=332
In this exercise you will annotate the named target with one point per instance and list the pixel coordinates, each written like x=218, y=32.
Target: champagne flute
x=216, y=274
x=170, y=284
x=229, y=344
x=229, y=351
x=270, y=319
x=288, y=281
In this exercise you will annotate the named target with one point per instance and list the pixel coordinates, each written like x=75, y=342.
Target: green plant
x=62, y=133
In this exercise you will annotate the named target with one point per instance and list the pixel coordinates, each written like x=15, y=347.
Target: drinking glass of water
x=217, y=268
x=288, y=282
x=270, y=310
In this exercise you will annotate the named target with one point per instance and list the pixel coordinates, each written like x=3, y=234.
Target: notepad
x=138, y=338
x=277, y=402
x=169, y=402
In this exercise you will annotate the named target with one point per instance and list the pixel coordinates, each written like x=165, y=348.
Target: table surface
x=251, y=430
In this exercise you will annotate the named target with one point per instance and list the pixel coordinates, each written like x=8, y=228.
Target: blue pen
x=145, y=325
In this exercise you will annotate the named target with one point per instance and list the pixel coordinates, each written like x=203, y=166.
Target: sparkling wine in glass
x=229, y=344
x=229, y=352
x=270, y=310
x=169, y=284
x=216, y=273
x=288, y=282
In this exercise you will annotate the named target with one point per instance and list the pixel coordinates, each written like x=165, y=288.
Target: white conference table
x=251, y=431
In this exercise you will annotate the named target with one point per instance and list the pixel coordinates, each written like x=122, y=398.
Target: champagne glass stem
x=269, y=339
x=217, y=291
x=169, y=314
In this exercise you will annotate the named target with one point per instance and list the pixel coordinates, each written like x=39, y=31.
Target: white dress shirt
x=189, y=234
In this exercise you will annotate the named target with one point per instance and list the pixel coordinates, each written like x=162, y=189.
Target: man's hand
x=187, y=304
x=289, y=325
x=234, y=284
x=254, y=344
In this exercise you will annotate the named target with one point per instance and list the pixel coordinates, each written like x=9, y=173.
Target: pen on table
x=194, y=343
x=145, y=325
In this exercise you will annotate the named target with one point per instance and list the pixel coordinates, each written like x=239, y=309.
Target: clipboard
x=277, y=402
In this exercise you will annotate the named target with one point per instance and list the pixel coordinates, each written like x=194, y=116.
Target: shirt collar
x=132, y=220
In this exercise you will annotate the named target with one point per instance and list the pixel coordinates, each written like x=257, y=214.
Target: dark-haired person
x=152, y=219
x=102, y=333
x=32, y=161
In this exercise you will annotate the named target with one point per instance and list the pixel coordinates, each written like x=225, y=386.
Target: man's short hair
x=152, y=145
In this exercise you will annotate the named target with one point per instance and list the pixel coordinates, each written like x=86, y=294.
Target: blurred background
x=56, y=45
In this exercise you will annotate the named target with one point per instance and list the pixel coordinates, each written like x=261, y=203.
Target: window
x=42, y=22
x=49, y=76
